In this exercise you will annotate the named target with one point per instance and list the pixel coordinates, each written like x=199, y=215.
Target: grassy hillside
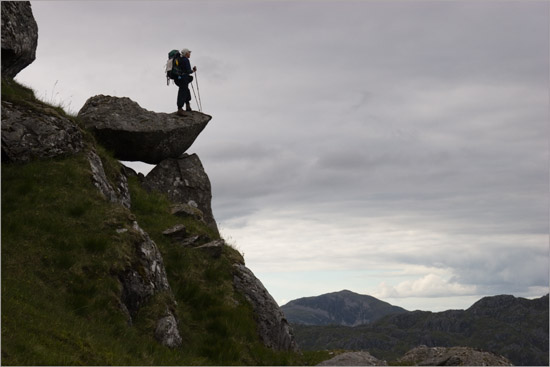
x=61, y=253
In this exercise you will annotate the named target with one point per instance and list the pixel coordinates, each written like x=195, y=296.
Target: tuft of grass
x=17, y=93
x=53, y=99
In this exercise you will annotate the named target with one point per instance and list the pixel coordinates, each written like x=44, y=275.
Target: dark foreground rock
x=19, y=37
x=136, y=134
x=145, y=278
x=353, y=359
x=184, y=181
x=117, y=194
x=34, y=131
x=455, y=356
x=273, y=327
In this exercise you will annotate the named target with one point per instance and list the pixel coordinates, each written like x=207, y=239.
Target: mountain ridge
x=516, y=328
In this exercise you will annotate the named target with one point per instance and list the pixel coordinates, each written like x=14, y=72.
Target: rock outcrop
x=455, y=356
x=35, y=131
x=273, y=328
x=118, y=194
x=19, y=37
x=353, y=359
x=31, y=130
x=136, y=134
x=186, y=184
x=145, y=277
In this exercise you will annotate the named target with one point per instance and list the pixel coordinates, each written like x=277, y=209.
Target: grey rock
x=19, y=37
x=147, y=274
x=455, y=356
x=37, y=132
x=145, y=277
x=136, y=134
x=185, y=182
x=186, y=210
x=190, y=241
x=120, y=194
x=273, y=328
x=176, y=233
x=353, y=359
x=214, y=248
x=167, y=333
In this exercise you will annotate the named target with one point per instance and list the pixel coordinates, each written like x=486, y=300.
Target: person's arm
x=187, y=66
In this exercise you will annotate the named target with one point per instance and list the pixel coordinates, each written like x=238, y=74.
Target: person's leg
x=187, y=97
x=181, y=95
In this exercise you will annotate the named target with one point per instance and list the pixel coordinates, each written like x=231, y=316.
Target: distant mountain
x=339, y=308
x=516, y=328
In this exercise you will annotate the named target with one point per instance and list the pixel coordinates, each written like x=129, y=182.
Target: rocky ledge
x=136, y=134
x=35, y=131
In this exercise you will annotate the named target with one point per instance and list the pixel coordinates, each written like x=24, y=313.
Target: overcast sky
x=393, y=148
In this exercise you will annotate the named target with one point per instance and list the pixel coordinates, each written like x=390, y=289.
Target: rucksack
x=174, y=67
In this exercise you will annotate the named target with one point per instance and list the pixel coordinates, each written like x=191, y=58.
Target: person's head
x=186, y=52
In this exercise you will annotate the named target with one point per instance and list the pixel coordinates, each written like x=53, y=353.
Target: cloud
x=430, y=285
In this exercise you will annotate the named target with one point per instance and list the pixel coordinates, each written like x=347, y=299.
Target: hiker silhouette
x=183, y=80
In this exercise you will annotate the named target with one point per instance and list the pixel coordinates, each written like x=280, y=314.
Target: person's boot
x=180, y=112
x=188, y=106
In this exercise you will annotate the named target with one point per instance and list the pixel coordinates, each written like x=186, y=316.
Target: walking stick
x=196, y=100
x=198, y=91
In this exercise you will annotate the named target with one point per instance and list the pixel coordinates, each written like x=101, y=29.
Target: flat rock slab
x=136, y=134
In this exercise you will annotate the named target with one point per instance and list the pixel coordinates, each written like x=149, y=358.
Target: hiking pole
x=196, y=101
x=198, y=91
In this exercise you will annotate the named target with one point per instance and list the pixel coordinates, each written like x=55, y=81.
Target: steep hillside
x=339, y=308
x=515, y=328
x=66, y=251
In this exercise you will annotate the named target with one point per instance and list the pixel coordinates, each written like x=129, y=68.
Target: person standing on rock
x=182, y=81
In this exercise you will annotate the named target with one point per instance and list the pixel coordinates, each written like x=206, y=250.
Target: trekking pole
x=196, y=101
x=198, y=91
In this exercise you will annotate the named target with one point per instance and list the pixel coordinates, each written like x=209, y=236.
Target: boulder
x=185, y=210
x=34, y=131
x=176, y=233
x=184, y=181
x=353, y=359
x=455, y=356
x=166, y=331
x=214, y=249
x=19, y=37
x=136, y=134
x=273, y=328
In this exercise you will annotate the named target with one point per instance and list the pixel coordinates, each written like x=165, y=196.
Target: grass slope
x=60, y=256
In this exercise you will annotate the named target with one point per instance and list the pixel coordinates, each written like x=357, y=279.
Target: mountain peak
x=338, y=308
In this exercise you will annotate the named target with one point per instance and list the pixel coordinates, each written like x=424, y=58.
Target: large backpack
x=174, y=67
